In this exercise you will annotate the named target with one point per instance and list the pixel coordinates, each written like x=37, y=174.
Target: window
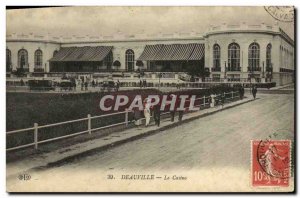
x=129, y=60
x=268, y=56
x=253, y=56
x=54, y=53
x=38, y=58
x=233, y=57
x=108, y=60
x=8, y=59
x=285, y=57
x=216, y=56
x=23, y=58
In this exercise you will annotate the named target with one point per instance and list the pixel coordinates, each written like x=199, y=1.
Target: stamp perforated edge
x=251, y=167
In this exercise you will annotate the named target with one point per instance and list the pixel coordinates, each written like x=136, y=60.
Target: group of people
x=94, y=83
x=143, y=83
x=84, y=86
x=155, y=110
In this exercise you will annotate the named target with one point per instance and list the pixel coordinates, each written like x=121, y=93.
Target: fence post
x=36, y=135
x=89, y=123
x=232, y=94
x=126, y=117
x=204, y=100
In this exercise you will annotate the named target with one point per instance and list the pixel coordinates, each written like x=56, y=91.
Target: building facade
x=239, y=53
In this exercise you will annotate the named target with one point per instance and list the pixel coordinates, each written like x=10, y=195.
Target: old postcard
x=150, y=99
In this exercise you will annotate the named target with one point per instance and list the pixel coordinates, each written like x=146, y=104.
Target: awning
x=184, y=52
x=86, y=53
x=150, y=52
x=173, y=52
x=166, y=52
x=198, y=52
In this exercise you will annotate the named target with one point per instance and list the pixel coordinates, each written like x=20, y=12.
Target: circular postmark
x=274, y=158
x=281, y=13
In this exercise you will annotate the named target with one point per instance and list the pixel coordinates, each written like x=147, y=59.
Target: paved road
x=215, y=149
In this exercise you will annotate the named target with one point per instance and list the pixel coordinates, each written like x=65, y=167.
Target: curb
x=74, y=157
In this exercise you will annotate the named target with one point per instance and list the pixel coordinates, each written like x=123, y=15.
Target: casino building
x=228, y=53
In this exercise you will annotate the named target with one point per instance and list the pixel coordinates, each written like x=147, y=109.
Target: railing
x=89, y=128
x=115, y=69
x=38, y=69
x=22, y=69
x=234, y=69
x=216, y=69
x=250, y=69
x=269, y=69
x=16, y=86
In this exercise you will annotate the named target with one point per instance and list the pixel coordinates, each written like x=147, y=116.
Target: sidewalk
x=62, y=155
x=285, y=89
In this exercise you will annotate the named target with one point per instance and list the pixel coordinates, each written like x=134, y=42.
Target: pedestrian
x=156, y=113
x=172, y=111
x=212, y=100
x=137, y=115
x=93, y=83
x=82, y=85
x=176, y=107
x=141, y=84
x=177, y=84
x=86, y=85
x=147, y=111
x=118, y=85
x=22, y=82
x=254, y=91
x=222, y=99
x=243, y=91
x=74, y=84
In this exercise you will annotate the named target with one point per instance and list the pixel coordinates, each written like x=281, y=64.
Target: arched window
x=23, y=58
x=8, y=59
x=233, y=57
x=253, y=56
x=55, y=52
x=268, y=56
x=38, y=58
x=129, y=60
x=216, y=56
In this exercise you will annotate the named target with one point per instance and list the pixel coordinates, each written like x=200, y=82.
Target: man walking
x=141, y=84
x=254, y=91
x=173, y=111
x=156, y=113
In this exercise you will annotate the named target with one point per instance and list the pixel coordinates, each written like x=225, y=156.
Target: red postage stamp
x=270, y=163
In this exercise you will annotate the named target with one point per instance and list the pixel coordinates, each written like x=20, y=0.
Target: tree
x=20, y=72
x=117, y=64
x=139, y=63
x=197, y=69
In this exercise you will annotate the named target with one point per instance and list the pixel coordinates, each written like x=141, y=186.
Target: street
x=211, y=150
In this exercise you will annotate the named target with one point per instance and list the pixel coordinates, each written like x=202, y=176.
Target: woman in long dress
x=147, y=111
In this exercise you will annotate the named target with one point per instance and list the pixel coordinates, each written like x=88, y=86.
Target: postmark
x=281, y=13
x=271, y=163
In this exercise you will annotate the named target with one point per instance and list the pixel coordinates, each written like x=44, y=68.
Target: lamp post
x=159, y=76
x=225, y=74
x=263, y=71
x=271, y=71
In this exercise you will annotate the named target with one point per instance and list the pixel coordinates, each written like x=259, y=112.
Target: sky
x=105, y=21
